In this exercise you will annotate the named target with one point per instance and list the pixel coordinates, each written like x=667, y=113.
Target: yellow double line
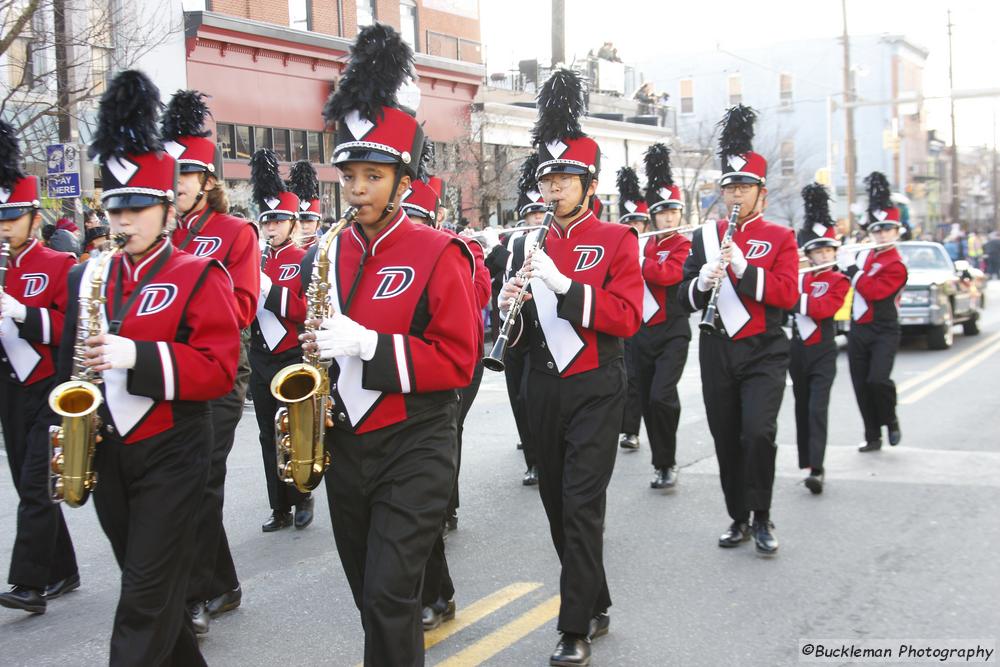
x=934, y=378
x=501, y=638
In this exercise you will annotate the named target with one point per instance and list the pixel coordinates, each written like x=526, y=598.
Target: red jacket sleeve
x=826, y=305
x=243, y=265
x=614, y=308
x=445, y=354
x=287, y=302
x=779, y=285
x=669, y=272
x=888, y=280
x=203, y=367
x=481, y=277
x=45, y=324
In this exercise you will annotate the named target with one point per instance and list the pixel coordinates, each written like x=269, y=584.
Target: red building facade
x=268, y=82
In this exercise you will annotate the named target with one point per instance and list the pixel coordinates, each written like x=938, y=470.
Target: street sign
x=63, y=166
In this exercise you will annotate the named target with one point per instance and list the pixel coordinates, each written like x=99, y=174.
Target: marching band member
x=32, y=307
x=813, y=356
x=661, y=346
x=274, y=334
x=205, y=229
x=744, y=357
x=404, y=338
x=632, y=211
x=509, y=258
x=878, y=277
x=420, y=203
x=585, y=297
x=304, y=184
x=171, y=345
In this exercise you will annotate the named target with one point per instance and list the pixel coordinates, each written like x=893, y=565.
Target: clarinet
x=708, y=317
x=494, y=360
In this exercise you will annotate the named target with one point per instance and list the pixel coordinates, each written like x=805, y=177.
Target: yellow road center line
x=478, y=610
x=941, y=380
x=952, y=360
x=504, y=637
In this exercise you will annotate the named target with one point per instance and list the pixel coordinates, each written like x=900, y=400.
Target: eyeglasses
x=561, y=180
x=742, y=188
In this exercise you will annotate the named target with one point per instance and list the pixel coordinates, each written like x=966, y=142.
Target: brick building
x=269, y=65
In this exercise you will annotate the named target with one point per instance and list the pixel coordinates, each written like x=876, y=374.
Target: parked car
x=939, y=294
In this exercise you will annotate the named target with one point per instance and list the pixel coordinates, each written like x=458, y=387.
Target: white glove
x=118, y=351
x=12, y=308
x=265, y=285
x=705, y=279
x=544, y=268
x=340, y=336
x=846, y=259
x=490, y=239
x=737, y=261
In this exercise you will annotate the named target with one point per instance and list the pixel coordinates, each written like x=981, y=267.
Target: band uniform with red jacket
x=35, y=284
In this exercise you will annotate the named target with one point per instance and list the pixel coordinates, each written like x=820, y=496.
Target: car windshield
x=925, y=257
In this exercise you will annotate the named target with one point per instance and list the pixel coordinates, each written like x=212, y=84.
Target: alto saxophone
x=304, y=388
x=72, y=444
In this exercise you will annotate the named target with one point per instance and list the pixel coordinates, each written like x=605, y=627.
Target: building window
x=366, y=13
x=281, y=144
x=300, y=14
x=300, y=150
x=262, y=138
x=787, y=158
x=687, y=95
x=243, y=148
x=100, y=69
x=408, y=22
x=735, y=89
x=315, y=147
x=786, y=90
x=224, y=140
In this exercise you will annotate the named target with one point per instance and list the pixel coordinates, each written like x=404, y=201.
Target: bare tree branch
x=19, y=23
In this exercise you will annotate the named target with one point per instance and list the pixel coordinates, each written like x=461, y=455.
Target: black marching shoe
x=571, y=650
x=304, y=512
x=31, y=600
x=451, y=523
x=814, y=482
x=225, y=602
x=599, y=626
x=765, y=541
x=895, y=435
x=520, y=446
x=199, y=617
x=530, y=477
x=872, y=446
x=436, y=614
x=738, y=533
x=666, y=478
x=277, y=521
x=60, y=588
x=629, y=442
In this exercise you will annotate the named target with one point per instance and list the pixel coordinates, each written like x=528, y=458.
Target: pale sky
x=644, y=31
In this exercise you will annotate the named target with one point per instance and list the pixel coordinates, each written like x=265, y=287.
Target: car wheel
x=941, y=337
x=970, y=327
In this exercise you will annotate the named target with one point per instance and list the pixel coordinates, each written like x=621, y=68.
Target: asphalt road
x=902, y=544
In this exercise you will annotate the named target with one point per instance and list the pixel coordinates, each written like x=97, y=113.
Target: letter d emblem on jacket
x=590, y=256
x=395, y=281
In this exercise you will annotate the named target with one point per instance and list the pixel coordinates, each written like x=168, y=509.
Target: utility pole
x=558, y=32
x=850, y=161
x=64, y=120
x=954, y=143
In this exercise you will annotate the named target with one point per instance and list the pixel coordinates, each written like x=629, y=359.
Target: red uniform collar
x=190, y=218
x=134, y=272
x=274, y=252
x=746, y=223
x=586, y=220
x=31, y=246
x=386, y=238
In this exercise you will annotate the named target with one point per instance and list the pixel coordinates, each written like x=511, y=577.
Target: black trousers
x=388, y=491
x=632, y=416
x=43, y=551
x=145, y=497
x=660, y=354
x=871, y=352
x=743, y=382
x=812, y=368
x=263, y=367
x=437, y=577
x=214, y=571
x=516, y=367
x=575, y=422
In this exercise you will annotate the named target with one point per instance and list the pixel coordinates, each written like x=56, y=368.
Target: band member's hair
x=217, y=198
